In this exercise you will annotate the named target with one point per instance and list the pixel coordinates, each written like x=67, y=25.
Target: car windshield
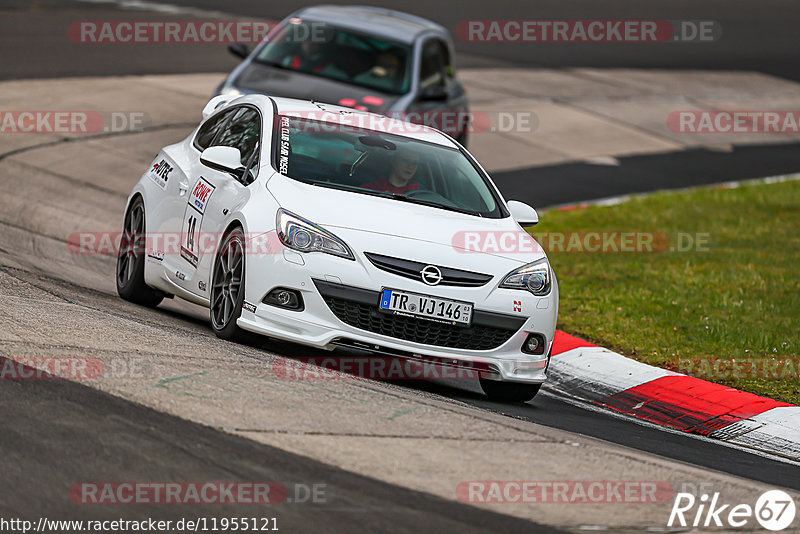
x=382, y=164
x=324, y=50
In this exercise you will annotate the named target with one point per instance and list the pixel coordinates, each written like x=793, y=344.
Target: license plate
x=426, y=307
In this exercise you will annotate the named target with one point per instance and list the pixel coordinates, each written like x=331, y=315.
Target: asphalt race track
x=41, y=417
x=576, y=182
x=758, y=36
x=51, y=430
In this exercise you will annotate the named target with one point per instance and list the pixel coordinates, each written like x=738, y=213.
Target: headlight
x=305, y=236
x=535, y=277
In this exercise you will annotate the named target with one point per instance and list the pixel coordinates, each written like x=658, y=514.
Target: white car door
x=170, y=211
x=213, y=196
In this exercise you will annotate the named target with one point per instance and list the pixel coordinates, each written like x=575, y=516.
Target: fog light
x=534, y=344
x=285, y=298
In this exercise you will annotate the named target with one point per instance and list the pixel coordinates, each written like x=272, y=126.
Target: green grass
x=737, y=299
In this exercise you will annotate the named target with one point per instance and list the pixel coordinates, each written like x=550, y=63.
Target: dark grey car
x=362, y=57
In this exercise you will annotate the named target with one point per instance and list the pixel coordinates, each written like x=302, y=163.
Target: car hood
x=356, y=212
x=258, y=78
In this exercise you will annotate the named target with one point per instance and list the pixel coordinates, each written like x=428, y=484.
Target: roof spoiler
x=215, y=103
x=401, y=15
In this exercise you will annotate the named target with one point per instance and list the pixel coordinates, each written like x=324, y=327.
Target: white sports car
x=332, y=227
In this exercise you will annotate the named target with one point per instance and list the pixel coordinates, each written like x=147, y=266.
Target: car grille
x=359, y=308
x=413, y=269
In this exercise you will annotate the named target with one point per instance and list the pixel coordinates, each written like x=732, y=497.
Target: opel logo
x=431, y=275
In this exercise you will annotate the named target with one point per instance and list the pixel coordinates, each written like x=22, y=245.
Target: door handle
x=183, y=187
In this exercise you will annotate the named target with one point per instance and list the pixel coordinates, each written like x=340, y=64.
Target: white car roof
x=330, y=113
x=333, y=114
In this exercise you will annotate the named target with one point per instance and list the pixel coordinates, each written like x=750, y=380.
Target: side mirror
x=239, y=50
x=433, y=93
x=215, y=103
x=222, y=158
x=522, y=213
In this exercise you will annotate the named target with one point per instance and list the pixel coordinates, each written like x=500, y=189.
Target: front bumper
x=342, y=310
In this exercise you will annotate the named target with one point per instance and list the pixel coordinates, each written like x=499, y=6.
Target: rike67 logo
x=774, y=510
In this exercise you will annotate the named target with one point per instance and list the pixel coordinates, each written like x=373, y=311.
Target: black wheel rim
x=130, y=245
x=226, y=283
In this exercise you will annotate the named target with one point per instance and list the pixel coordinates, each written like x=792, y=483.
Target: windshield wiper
x=271, y=63
x=412, y=200
x=355, y=188
x=394, y=196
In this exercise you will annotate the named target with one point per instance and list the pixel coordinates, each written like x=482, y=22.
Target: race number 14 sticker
x=193, y=218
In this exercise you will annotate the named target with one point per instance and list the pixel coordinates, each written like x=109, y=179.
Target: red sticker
x=372, y=100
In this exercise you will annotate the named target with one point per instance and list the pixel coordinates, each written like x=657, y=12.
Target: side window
x=449, y=70
x=242, y=132
x=209, y=130
x=435, y=61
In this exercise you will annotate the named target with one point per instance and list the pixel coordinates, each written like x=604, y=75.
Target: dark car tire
x=227, y=287
x=509, y=391
x=131, y=259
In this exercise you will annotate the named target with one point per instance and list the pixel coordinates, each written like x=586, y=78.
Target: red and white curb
x=599, y=376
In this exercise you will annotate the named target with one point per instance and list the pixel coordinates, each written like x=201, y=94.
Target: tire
x=227, y=287
x=131, y=259
x=509, y=391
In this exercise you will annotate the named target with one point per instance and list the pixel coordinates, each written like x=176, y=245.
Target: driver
x=383, y=75
x=310, y=58
x=400, y=179
x=312, y=54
